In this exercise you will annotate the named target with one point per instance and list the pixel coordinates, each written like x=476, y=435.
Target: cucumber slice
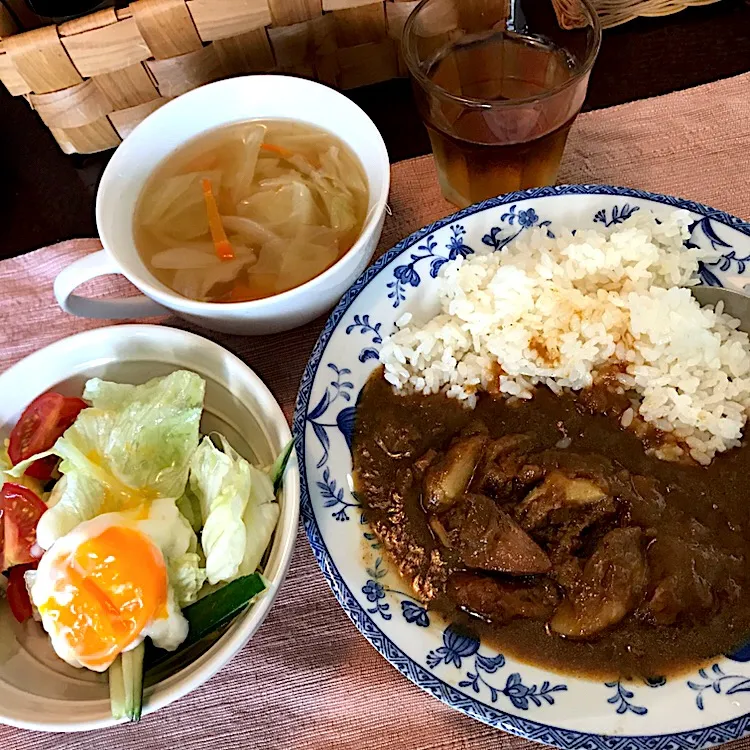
x=215, y=610
x=279, y=466
x=126, y=684
x=212, y=612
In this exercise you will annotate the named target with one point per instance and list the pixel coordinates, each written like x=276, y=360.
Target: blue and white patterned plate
x=692, y=711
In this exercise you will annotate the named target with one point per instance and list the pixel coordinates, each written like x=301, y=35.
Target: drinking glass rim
x=470, y=101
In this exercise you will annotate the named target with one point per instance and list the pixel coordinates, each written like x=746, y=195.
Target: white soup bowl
x=176, y=123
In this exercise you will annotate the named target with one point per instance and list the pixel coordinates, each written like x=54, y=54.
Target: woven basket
x=93, y=79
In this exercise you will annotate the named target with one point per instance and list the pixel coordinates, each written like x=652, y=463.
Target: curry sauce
x=548, y=530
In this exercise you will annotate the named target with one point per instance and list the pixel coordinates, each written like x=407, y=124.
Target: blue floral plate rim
x=531, y=729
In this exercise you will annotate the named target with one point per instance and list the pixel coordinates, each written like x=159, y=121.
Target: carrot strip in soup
x=241, y=292
x=285, y=153
x=280, y=150
x=218, y=235
x=261, y=285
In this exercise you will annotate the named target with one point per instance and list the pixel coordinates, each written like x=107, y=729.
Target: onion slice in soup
x=249, y=229
x=242, y=178
x=176, y=258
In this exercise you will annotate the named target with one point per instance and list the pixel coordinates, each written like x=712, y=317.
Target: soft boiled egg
x=102, y=588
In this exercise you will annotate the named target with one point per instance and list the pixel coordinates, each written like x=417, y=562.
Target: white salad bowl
x=705, y=707
x=181, y=120
x=37, y=689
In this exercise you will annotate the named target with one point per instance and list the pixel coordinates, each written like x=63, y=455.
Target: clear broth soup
x=250, y=210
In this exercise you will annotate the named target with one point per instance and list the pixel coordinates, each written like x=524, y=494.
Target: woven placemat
x=308, y=680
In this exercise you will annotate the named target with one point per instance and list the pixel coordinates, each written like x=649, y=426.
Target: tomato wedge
x=42, y=422
x=21, y=510
x=17, y=594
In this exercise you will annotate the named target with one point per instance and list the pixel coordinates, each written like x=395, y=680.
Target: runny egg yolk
x=107, y=590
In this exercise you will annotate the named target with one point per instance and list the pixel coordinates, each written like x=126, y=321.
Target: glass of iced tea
x=498, y=84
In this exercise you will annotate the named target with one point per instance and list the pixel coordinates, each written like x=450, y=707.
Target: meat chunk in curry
x=482, y=535
x=610, y=586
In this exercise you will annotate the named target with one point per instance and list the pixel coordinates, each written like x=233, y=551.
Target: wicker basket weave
x=93, y=79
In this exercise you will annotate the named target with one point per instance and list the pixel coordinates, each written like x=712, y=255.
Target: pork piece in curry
x=545, y=528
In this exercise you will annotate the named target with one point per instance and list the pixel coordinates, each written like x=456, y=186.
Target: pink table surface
x=308, y=679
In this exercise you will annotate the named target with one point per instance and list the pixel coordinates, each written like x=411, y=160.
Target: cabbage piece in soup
x=250, y=210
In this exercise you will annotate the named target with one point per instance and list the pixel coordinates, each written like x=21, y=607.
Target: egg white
x=162, y=526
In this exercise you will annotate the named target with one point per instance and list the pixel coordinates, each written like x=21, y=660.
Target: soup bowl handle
x=90, y=267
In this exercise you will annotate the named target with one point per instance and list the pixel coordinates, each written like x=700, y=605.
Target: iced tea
x=497, y=103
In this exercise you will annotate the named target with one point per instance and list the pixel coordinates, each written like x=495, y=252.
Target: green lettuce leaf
x=154, y=428
x=173, y=534
x=222, y=486
x=186, y=577
x=191, y=509
x=238, y=508
x=6, y=475
x=132, y=447
x=260, y=519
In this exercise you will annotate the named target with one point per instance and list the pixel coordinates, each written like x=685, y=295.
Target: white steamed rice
x=558, y=311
